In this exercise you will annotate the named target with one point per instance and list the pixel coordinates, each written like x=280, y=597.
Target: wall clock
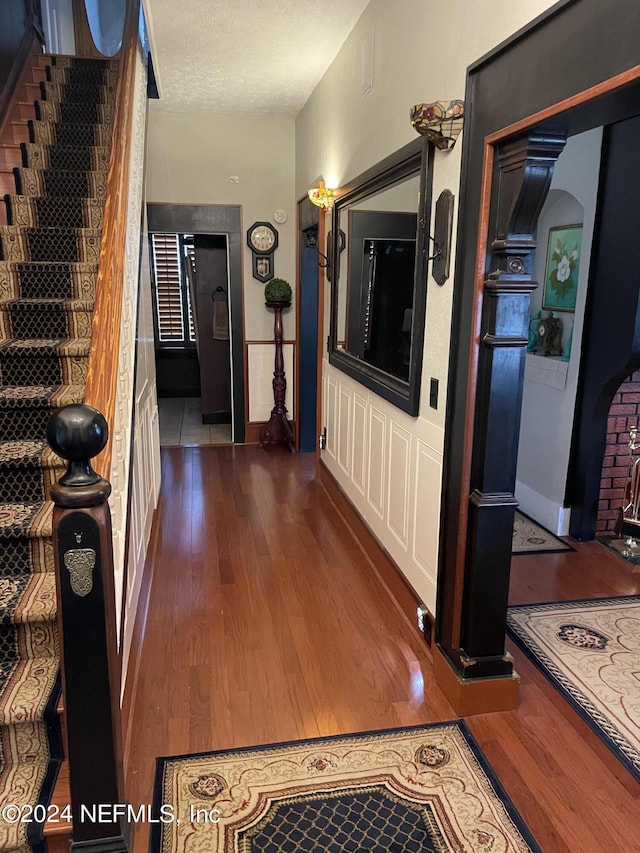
x=262, y=239
x=549, y=336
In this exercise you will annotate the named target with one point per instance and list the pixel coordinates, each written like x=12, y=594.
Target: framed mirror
x=378, y=270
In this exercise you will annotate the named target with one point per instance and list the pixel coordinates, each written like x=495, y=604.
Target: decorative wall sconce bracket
x=440, y=122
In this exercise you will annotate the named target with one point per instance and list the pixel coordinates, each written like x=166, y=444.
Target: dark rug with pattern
x=410, y=790
x=48, y=267
x=590, y=650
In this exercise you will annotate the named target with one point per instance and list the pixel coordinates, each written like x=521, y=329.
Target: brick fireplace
x=623, y=414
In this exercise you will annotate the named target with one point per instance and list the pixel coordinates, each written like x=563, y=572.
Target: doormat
x=590, y=651
x=424, y=788
x=530, y=538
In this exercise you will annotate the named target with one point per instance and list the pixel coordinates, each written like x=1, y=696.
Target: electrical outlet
x=425, y=622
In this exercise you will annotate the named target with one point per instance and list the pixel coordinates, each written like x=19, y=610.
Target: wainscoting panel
x=390, y=469
x=344, y=429
x=377, y=460
x=399, y=473
x=260, y=363
x=426, y=507
x=331, y=412
x=359, y=440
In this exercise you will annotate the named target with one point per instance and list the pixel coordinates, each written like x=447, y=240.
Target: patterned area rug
x=426, y=788
x=530, y=538
x=48, y=267
x=590, y=650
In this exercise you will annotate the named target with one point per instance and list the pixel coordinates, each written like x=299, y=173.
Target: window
x=170, y=254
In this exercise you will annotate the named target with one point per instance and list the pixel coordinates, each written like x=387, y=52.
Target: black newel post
x=278, y=429
x=86, y=606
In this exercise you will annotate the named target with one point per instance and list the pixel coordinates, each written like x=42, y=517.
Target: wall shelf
x=547, y=370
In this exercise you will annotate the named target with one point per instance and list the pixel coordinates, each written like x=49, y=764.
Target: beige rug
x=426, y=788
x=590, y=650
x=530, y=538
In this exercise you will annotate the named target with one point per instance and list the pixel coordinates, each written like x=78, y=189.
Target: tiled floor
x=181, y=424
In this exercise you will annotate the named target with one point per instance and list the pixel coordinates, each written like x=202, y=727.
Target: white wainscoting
x=260, y=363
x=390, y=467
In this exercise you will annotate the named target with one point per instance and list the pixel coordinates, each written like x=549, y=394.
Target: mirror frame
x=414, y=158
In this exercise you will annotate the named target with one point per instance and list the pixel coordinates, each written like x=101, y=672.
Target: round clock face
x=262, y=237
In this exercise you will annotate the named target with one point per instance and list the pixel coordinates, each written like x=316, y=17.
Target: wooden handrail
x=102, y=374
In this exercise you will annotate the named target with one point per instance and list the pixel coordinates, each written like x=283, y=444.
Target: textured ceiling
x=245, y=56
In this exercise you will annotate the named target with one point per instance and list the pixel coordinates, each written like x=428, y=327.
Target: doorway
x=513, y=136
x=215, y=231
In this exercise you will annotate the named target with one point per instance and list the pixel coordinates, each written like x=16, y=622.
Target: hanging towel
x=220, y=320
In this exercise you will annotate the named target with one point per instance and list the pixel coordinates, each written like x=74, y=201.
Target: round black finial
x=77, y=433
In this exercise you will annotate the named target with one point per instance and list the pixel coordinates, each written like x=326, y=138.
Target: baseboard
x=403, y=596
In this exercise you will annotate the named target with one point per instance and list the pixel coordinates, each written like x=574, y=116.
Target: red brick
x=617, y=471
x=630, y=397
x=601, y=526
x=608, y=513
x=622, y=409
x=607, y=462
x=605, y=483
x=619, y=483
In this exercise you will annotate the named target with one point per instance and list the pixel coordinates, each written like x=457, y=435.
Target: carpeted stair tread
x=28, y=600
x=22, y=774
x=28, y=469
x=77, y=91
x=30, y=453
x=50, y=396
x=74, y=157
x=61, y=75
x=36, y=212
x=73, y=113
x=22, y=319
x=37, y=675
x=19, y=520
x=43, y=347
x=51, y=133
x=60, y=183
x=41, y=279
x=67, y=245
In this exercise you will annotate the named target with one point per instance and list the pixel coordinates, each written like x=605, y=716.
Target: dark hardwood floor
x=266, y=623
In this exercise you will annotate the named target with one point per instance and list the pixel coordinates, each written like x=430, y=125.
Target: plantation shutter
x=174, y=320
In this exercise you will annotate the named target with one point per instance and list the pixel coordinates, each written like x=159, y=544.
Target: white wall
x=550, y=382
x=57, y=20
x=389, y=464
x=214, y=158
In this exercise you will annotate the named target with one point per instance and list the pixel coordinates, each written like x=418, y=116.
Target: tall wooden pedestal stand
x=278, y=429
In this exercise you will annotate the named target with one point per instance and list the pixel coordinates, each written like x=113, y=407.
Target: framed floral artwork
x=562, y=267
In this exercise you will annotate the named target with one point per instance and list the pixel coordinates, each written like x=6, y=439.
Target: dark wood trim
x=322, y=346
x=405, y=599
x=589, y=84
x=216, y=219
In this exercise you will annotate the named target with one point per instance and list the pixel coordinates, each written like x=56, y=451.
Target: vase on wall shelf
x=278, y=429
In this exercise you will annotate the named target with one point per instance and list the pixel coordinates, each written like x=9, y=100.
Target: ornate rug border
x=155, y=838
x=575, y=698
x=565, y=545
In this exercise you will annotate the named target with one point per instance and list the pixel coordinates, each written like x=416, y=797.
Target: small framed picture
x=562, y=267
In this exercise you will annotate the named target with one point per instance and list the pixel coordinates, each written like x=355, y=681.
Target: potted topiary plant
x=279, y=291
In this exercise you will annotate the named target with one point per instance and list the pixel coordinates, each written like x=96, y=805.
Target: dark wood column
x=523, y=168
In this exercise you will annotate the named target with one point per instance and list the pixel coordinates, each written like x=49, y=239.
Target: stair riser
x=76, y=93
x=73, y=157
x=26, y=556
x=47, y=282
x=34, y=640
x=35, y=245
x=71, y=114
x=24, y=423
x=46, y=133
x=49, y=370
x=54, y=213
x=27, y=484
x=55, y=183
x=26, y=322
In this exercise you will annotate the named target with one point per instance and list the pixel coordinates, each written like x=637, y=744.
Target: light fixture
x=441, y=122
x=321, y=196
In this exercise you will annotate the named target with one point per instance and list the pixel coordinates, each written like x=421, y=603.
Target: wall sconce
x=322, y=196
x=441, y=122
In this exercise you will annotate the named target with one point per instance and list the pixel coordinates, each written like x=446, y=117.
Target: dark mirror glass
x=378, y=271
